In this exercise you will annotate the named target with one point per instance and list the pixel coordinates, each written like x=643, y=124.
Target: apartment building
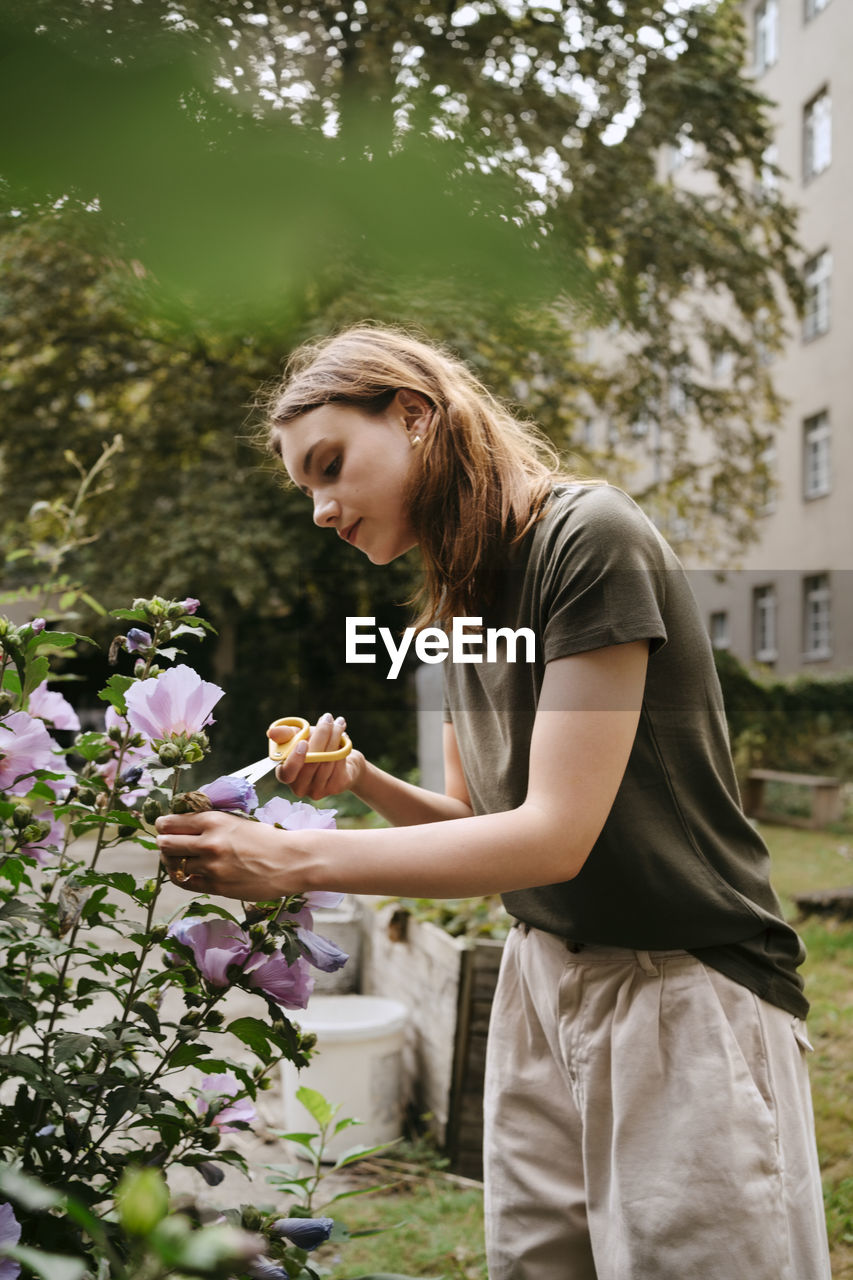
x=790, y=603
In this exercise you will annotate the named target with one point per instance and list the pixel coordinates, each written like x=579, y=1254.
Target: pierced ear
x=415, y=408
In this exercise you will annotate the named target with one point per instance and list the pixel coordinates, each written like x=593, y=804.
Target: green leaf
x=358, y=1153
x=114, y=691
x=38, y=670
x=253, y=1033
x=69, y=1046
x=130, y=615
x=317, y=1106
x=26, y=1191
x=50, y=1266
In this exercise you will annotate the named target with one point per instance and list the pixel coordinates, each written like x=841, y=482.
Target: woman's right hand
x=315, y=781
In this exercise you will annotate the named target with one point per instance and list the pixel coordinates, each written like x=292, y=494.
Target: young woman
x=647, y=1104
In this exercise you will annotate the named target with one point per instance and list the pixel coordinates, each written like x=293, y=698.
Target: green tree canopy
x=192, y=188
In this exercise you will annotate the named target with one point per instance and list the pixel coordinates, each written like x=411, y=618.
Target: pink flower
x=48, y=705
x=230, y=793
x=132, y=756
x=25, y=746
x=321, y=952
x=189, y=605
x=10, y=1233
x=216, y=944
x=289, y=985
x=216, y=1088
x=295, y=816
x=177, y=701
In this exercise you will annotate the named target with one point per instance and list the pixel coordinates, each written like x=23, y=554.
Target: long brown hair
x=485, y=475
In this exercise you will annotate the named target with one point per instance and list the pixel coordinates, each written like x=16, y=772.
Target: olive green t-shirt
x=677, y=864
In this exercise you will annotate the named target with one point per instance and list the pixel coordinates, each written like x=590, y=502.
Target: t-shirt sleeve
x=604, y=576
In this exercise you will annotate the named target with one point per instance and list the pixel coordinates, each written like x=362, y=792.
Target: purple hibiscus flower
x=177, y=701
x=25, y=746
x=189, y=605
x=216, y=944
x=289, y=985
x=46, y=704
x=295, y=816
x=230, y=793
x=10, y=1233
x=305, y=1233
x=137, y=639
x=227, y=1118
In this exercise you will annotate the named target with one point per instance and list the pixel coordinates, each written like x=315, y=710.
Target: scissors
x=279, y=751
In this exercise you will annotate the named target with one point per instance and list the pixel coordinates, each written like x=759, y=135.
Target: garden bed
x=447, y=984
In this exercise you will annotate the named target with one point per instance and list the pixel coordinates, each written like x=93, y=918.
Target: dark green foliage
x=803, y=724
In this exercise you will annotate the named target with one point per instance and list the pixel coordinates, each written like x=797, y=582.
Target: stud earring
x=415, y=441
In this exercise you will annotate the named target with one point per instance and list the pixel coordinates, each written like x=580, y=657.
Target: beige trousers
x=646, y=1118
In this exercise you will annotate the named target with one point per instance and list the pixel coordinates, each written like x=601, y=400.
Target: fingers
x=315, y=780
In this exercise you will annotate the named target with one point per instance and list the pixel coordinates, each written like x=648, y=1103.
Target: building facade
x=790, y=605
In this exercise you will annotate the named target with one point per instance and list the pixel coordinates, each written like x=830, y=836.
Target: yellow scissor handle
x=281, y=750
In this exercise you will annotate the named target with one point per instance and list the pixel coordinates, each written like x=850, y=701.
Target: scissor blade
x=254, y=772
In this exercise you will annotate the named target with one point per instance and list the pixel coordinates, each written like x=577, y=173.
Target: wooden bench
x=825, y=796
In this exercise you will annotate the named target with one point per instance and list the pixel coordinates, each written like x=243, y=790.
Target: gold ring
x=181, y=871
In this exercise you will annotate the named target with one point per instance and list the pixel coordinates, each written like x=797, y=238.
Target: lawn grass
x=802, y=861
x=441, y=1232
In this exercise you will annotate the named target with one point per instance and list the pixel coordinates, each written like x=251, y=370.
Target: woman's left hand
x=220, y=853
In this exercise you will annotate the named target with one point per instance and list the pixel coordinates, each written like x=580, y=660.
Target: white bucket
x=357, y=1063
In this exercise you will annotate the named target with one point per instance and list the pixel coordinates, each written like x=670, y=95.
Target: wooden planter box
x=447, y=984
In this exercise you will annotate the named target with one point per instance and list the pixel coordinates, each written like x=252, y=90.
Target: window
x=767, y=484
x=817, y=135
x=814, y=7
x=719, y=629
x=817, y=462
x=818, y=274
x=817, y=628
x=764, y=624
x=766, y=34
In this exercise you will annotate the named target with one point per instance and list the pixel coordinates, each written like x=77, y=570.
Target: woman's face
x=356, y=469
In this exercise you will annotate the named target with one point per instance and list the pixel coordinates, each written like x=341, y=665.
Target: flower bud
x=116, y=733
x=143, y=1200
x=251, y=1218
x=159, y=933
x=126, y=832
x=86, y=795
x=193, y=752
x=191, y=802
x=22, y=815
x=214, y=1019
x=151, y=810
x=35, y=831
x=7, y=702
x=210, y=1141
x=170, y=753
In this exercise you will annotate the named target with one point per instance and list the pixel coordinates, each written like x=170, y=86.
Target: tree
x=511, y=152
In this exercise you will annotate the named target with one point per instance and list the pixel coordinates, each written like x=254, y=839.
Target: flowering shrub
x=118, y=1056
